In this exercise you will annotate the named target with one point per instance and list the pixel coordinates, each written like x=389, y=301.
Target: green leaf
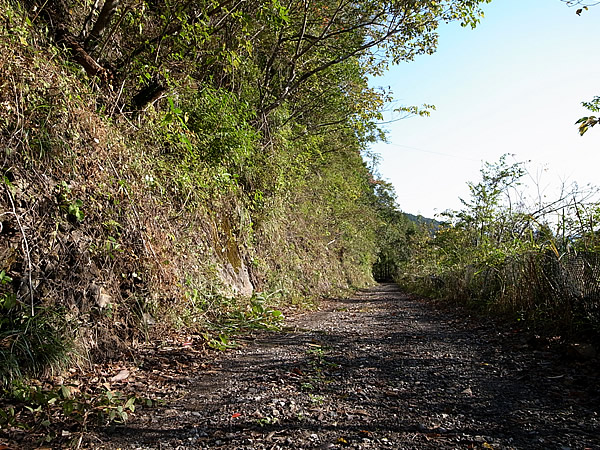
x=65, y=391
x=130, y=404
x=4, y=279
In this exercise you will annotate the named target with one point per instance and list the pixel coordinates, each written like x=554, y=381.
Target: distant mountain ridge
x=420, y=220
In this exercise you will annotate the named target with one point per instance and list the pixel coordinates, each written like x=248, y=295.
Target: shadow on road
x=376, y=370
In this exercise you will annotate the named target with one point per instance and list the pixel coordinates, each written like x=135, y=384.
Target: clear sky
x=513, y=85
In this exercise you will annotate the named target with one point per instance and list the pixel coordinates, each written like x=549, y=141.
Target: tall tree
x=316, y=35
x=279, y=45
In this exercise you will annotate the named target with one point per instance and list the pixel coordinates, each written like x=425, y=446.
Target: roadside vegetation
x=536, y=261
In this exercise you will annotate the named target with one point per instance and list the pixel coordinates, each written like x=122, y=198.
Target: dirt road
x=379, y=370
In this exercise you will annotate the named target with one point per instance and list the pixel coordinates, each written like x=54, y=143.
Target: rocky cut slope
x=117, y=226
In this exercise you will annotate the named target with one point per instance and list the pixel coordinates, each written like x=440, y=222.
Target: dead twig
x=25, y=249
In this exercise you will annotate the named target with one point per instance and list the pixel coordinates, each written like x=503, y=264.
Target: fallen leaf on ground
x=122, y=375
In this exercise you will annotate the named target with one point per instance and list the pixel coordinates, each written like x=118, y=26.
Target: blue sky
x=513, y=85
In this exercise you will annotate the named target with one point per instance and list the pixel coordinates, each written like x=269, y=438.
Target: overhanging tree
x=316, y=35
x=146, y=44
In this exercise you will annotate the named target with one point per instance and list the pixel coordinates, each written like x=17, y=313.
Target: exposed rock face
x=237, y=280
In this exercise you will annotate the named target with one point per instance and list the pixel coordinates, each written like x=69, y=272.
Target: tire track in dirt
x=379, y=370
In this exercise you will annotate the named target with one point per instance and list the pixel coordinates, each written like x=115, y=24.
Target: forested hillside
x=172, y=165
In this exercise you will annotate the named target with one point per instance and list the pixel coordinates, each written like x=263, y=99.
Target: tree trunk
x=147, y=95
x=91, y=67
x=106, y=13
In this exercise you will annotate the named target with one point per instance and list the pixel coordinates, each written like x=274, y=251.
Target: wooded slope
x=173, y=164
